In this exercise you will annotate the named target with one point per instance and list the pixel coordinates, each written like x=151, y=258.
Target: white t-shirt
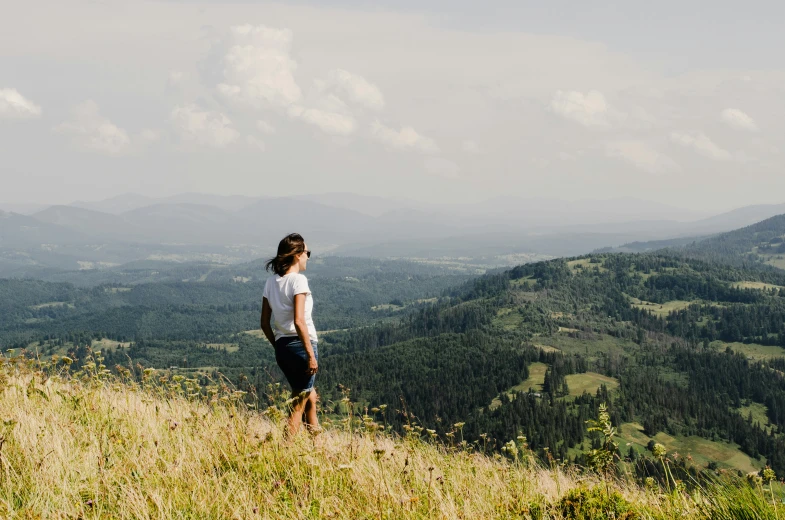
x=280, y=291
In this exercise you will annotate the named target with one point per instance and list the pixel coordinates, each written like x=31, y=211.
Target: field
x=758, y=412
x=756, y=285
x=660, y=309
x=775, y=260
x=230, y=347
x=751, y=350
x=701, y=450
x=585, y=265
x=52, y=304
x=593, y=345
x=589, y=382
x=533, y=382
x=508, y=319
x=92, y=447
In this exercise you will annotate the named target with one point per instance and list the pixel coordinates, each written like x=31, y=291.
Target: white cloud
x=702, y=145
x=357, y=88
x=14, y=105
x=265, y=127
x=738, y=119
x=255, y=142
x=258, y=69
x=332, y=123
x=441, y=167
x=470, y=147
x=641, y=154
x=150, y=135
x=92, y=131
x=203, y=127
x=404, y=139
x=589, y=109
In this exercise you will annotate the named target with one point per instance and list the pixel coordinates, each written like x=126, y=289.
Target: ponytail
x=288, y=248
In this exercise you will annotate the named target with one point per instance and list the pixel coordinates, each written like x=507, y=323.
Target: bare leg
x=296, y=414
x=311, y=420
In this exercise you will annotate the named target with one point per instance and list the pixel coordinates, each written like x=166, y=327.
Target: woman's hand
x=313, y=365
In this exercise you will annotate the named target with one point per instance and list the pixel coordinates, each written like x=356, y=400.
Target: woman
x=287, y=298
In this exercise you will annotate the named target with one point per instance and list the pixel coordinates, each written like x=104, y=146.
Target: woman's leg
x=311, y=419
x=296, y=413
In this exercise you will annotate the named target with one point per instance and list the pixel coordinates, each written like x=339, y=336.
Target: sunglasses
x=307, y=254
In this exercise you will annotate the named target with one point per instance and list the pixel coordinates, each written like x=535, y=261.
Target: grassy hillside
x=92, y=445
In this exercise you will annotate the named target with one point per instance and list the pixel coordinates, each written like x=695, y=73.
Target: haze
x=443, y=102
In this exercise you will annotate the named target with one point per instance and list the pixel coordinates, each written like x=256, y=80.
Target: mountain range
x=351, y=225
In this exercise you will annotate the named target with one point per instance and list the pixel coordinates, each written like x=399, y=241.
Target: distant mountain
x=23, y=231
x=96, y=224
x=368, y=205
x=738, y=218
x=22, y=209
x=188, y=223
x=763, y=243
x=271, y=219
x=131, y=201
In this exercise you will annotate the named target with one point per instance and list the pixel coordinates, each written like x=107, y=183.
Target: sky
x=433, y=100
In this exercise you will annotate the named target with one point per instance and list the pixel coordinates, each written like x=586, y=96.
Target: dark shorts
x=293, y=360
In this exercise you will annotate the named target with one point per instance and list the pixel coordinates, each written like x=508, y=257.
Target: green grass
x=52, y=304
x=533, y=382
x=701, y=450
x=756, y=285
x=508, y=319
x=751, y=350
x=592, y=347
x=759, y=414
x=775, y=260
x=585, y=265
x=589, y=382
x=115, y=290
x=661, y=309
x=230, y=347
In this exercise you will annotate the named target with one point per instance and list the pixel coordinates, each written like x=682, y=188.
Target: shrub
x=595, y=504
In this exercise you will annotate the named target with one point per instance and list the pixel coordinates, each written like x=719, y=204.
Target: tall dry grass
x=95, y=445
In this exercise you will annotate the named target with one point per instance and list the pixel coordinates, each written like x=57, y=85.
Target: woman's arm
x=302, y=331
x=267, y=314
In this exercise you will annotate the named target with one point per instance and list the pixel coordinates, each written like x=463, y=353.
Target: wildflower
x=459, y=425
x=769, y=475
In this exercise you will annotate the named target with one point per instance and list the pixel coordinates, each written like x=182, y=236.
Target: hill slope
x=92, y=447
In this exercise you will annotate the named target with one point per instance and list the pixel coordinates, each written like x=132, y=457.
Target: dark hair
x=289, y=247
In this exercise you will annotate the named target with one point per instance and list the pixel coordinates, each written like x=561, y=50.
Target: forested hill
x=685, y=352
x=759, y=244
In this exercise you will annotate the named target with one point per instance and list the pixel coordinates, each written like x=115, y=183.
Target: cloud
x=470, y=147
x=203, y=127
x=738, y=119
x=589, y=109
x=641, y=154
x=265, y=127
x=150, y=135
x=355, y=87
x=92, y=131
x=441, y=167
x=702, y=145
x=404, y=139
x=255, y=142
x=332, y=123
x=14, y=105
x=258, y=69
